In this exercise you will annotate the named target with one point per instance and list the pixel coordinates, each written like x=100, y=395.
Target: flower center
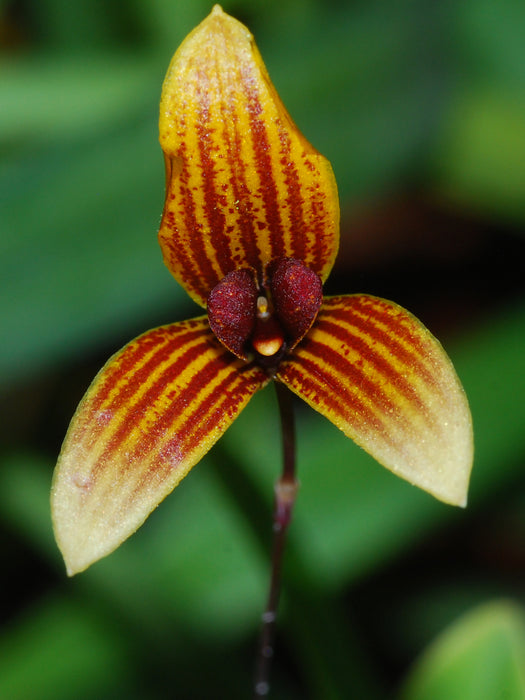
x=267, y=338
x=265, y=322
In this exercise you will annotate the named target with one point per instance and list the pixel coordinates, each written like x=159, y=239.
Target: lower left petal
x=150, y=415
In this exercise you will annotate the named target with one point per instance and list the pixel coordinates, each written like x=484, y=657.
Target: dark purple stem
x=285, y=492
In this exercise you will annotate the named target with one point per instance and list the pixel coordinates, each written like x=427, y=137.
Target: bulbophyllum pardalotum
x=250, y=230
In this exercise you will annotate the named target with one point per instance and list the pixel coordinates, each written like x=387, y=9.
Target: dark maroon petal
x=231, y=310
x=297, y=294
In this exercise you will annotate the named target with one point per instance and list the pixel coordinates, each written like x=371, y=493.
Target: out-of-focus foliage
x=421, y=109
x=481, y=657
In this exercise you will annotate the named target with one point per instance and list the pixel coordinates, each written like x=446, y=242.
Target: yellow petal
x=380, y=376
x=151, y=413
x=243, y=186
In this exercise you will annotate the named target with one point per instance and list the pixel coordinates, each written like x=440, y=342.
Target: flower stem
x=285, y=492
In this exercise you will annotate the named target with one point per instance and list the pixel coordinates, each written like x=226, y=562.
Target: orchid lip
x=268, y=337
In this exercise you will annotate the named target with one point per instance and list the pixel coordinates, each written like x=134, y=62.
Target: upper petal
x=151, y=413
x=243, y=186
x=376, y=372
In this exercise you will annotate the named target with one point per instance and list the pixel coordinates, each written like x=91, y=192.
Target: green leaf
x=59, y=650
x=362, y=86
x=480, y=657
x=79, y=257
x=54, y=100
x=480, y=157
x=201, y=567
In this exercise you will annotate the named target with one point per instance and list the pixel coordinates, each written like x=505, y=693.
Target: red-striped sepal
x=151, y=413
x=376, y=372
x=243, y=186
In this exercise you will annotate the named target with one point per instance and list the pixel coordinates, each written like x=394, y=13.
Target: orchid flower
x=250, y=230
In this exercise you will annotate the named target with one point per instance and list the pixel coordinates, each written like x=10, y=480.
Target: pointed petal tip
x=445, y=465
x=217, y=13
x=76, y=566
x=219, y=21
x=448, y=486
x=82, y=539
x=458, y=500
x=71, y=569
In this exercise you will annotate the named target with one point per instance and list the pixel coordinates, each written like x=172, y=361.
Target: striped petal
x=152, y=412
x=243, y=186
x=372, y=369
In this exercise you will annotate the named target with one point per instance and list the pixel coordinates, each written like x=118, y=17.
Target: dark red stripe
x=246, y=217
x=180, y=212
x=178, y=406
x=151, y=396
x=321, y=250
x=214, y=201
x=297, y=234
x=225, y=401
x=131, y=357
x=380, y=364
x=203, y=275
x=413, y=357
x=385, y=315
x=263, y=163
x=351, y=408
x=200, y=422
x=357, y=378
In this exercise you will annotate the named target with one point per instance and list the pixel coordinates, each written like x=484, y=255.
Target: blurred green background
x=420, y=107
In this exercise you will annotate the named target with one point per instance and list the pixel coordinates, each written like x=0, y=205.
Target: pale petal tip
x=217, y=15
x=447, y=476
x=82, y=535
x=77, y=555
